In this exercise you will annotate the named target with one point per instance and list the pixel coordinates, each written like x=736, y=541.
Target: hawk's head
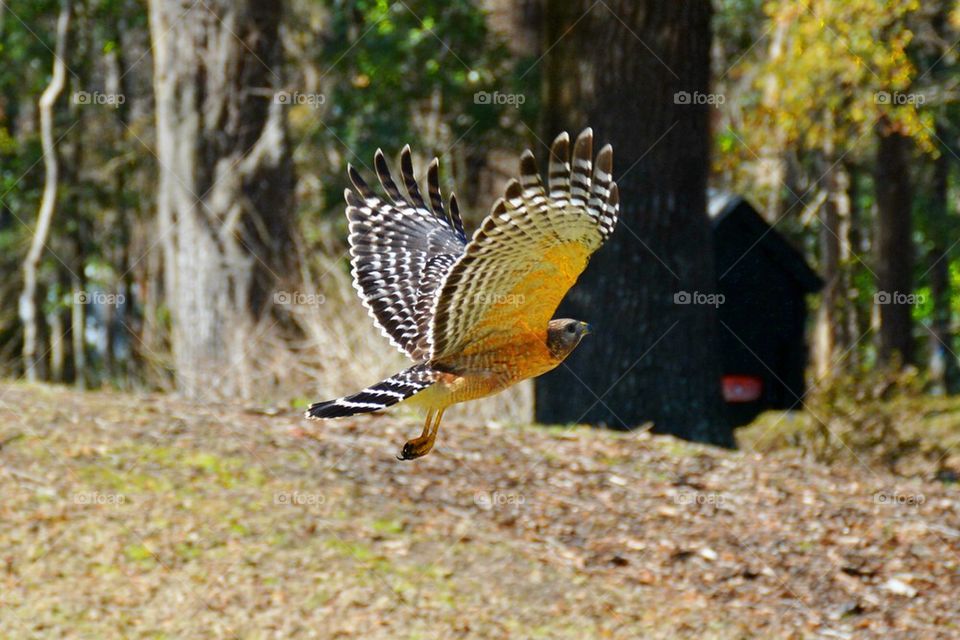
x=563, y=335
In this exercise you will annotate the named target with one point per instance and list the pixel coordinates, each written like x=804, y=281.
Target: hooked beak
x=587, y=329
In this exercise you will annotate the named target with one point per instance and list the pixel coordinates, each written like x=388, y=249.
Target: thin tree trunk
x=829, y=323
x=894, y=248
x=839, y=200
x=78, y=332
x=852, y=239
x=48, y=202
x=944, y=369
x=772, y=167
x=618, y=67
x=57, y=346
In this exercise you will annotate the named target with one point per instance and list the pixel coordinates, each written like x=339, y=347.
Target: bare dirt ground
x=127, y=516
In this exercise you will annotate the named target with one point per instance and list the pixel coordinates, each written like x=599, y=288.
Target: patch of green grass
x=388, y=525
x=187, y=551
x=300, y=403
x=681, y=448
x=124, y=481
x=355, y=550
x=140, y=554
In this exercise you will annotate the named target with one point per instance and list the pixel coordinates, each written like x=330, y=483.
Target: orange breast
x=488, y=366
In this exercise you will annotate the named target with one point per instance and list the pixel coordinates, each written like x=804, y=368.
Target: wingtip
x=406, y=159
x=560, y=149
x=353, y=173
x=433, y=175
x=513, y=189
x=382, y=167
x=582, y=148
x=363, y=191
x=528, y=163
x=605, y=158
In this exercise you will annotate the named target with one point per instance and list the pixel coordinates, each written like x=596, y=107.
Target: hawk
x=474, y=316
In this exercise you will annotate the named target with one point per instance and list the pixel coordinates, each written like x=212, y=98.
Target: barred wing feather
x=530, y=250
x=401, y=251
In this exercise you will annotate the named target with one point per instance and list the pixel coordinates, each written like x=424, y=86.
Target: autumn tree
x=842, y=75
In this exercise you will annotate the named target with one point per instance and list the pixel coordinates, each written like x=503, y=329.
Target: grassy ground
x=142, y=516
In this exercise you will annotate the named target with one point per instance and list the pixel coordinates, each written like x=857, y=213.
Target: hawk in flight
x=473, y=315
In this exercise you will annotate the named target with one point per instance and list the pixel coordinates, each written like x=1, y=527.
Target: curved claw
x=410, y=452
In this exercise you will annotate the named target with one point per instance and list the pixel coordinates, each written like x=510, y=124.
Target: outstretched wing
x=401, y=251
x=530, y=250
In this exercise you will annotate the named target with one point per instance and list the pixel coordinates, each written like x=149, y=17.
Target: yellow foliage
x=842, y=67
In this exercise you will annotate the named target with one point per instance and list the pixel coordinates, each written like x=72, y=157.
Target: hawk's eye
x=571, y=328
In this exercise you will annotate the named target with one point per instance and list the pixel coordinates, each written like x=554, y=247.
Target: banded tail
x=385, y=393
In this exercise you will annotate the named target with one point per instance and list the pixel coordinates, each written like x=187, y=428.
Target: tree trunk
x=944, y=370
x=772, y=163
x=78, y=333
x=48, y=202
x=836, y=319
x=829, y=322
x=851, y=241
x=225, y=186
x=651, y=359
x=57, y=346
x=894, y=248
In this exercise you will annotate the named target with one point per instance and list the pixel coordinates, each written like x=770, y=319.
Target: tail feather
x=385, y=393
